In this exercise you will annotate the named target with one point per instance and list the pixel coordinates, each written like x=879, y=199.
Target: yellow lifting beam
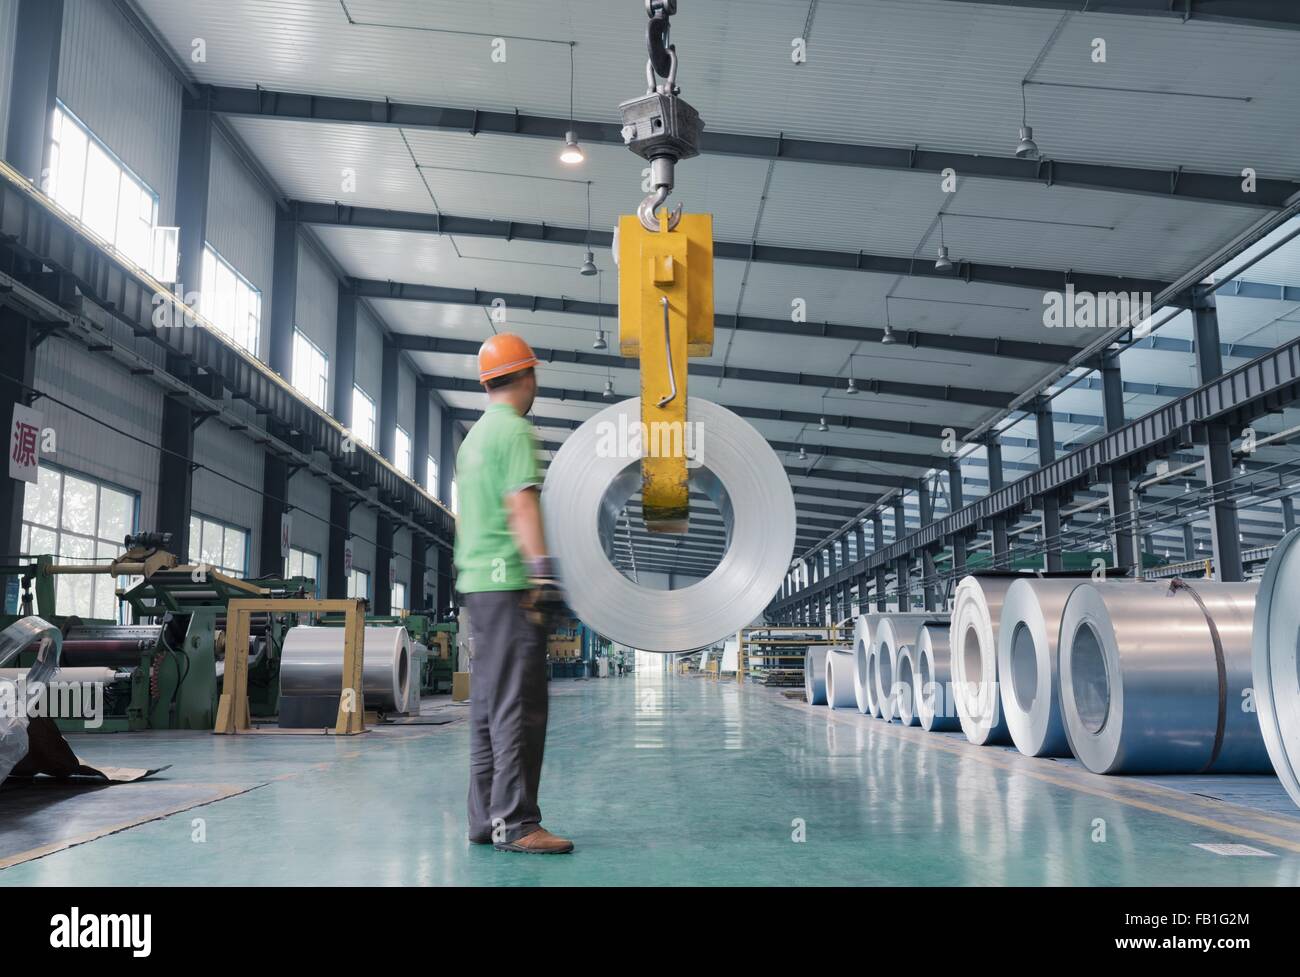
x=665, y=311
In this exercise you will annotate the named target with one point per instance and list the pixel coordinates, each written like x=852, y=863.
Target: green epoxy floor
x=668, y=780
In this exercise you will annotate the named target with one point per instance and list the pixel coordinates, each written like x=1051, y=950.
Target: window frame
x=367, y=434
x=209, y=296
x=196, y=556
x=402, y=445
x=323, y=379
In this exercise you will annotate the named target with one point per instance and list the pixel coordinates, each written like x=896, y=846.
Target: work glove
x=544, y=602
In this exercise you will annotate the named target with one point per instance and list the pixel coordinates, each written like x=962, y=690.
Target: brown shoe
x=539, y=842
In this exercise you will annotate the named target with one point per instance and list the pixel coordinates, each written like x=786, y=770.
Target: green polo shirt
x=497, y=457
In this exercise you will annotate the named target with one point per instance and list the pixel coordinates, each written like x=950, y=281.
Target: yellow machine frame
x=232, y=709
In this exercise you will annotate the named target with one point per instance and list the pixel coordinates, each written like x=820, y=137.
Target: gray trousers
x=507, y=716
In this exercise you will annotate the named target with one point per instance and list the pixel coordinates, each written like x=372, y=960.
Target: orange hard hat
x=504, y=353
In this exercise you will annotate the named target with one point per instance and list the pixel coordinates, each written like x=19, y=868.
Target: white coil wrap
x=931, y=661
x=1276, y=661
x=839, y=678
x=583, y=498
x=814, y=675
x=976, y=611
x=1027, y=664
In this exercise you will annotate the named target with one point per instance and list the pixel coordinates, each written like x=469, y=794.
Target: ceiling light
x=888, y=339
x=944, y=263
x=572, y=153
x=608, y=392
x=600, y=340
x=1026, y=148
x=823, y=426
x=588, y=267
x=852, y=387
x=803, y=455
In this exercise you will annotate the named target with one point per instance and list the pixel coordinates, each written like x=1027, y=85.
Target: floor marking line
x=1108, y=793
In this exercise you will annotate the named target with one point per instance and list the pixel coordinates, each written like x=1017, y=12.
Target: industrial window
x=217, y=545
x=79, y=520
x=303, y=564
x=399, y=596
x=455, y=499
x=431, y=476
x=91, y=183
x=229, y=301
x=363, y=417
x=311, y=369
x=402, y=452
x=359, y=583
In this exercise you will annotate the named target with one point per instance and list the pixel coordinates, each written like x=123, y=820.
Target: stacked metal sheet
x=976, y=613
x=1027, y=660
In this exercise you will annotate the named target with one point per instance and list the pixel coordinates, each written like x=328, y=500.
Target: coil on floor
x=976, y=611
x=1156, y=678
x=1027, y=664
x=932, y=663
x=814, y=675
x=1275, y=661
x=839, y=678
x=905, y=687
x=592, y=478
x=311, y=663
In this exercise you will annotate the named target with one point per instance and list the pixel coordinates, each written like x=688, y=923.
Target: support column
x=926, y=505
x=340, y=524
x=37, y=43
x=1224, y=529
x=16, y=379
x=284, y=298
x=383, y=603
x=420, y=436
x=1118, y=487
x=882, y=572
x=193, y=173
x=345, y=356
x=1001, y=541
x=275, y=495
x=1288, y=514
x=176, y=469
x=1050, y=504
x=902, y=567
x=388, y=403
x=955, y=502
x=1189, y=542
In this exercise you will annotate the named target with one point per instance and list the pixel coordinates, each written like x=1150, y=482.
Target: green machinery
x=165, y=670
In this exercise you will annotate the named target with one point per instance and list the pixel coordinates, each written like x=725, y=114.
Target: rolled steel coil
x=814, y=675
x=1156, y=678
x=587, y=486
x=1275, y=664
x=861, y=647
x=311, y=663
x=976, y=611
x=839, y=678
x=905, y=686
x=1030, y=686
x=891, y=633
x=932, y=661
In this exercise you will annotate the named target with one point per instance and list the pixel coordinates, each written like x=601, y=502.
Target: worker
x=512, y=595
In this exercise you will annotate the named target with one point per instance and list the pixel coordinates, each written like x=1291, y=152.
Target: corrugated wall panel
x=241, y=224
x=116, y=437
x=406, y=407
x=309, y=530
x=111, y=79
x=8, y=28
x=318, y=305
x=370, y=354
x=236, y=499
x=364, y=526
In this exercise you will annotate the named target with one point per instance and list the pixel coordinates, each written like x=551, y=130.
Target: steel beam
x=605, y=361
x=1118, y=487
x=35, y=50
x=284, y=299
x=1224, y=528
x=1280, y=14
x=1263, y=385
x=1125, y=179
x=914, y=339
x=1039, y=280
x=1050, y=501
